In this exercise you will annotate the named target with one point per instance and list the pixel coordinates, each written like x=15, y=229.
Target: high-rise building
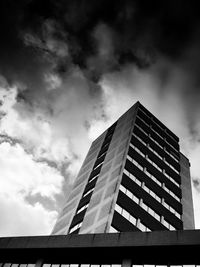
x=134, y=178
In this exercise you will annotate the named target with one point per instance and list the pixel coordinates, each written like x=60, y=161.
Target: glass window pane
x=133, y=220
x=31, y=265
x=118, y=208
x=135, y=199
x=129, y=194
x=64, y=265
x=85, y=265
x=15, y=265
x=157, y=216
x=138, y=182
x=151, y=212
x=144, y=206
x=125, y=214
x=46, y=265
x=73, y=265
x=55, y=265
x=113, y=230
x=7, y=265
x=122, y=188
x=158, y=198
x=142, y=227
x=23, y=265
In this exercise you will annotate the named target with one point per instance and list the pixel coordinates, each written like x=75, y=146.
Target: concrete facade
x=188, y=210
x=101, y=207
x=156, y=248
x=91, y=206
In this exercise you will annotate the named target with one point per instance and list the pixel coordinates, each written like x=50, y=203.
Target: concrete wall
x=160, y=248
x=99, y=214
x=187, y=202
x=65, y=217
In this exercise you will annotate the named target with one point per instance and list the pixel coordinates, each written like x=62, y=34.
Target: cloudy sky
x=69, y=69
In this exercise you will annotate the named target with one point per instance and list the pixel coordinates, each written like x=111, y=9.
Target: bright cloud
x=20, y=218
x=39, y=151
x=22, y=176
x=33, y=128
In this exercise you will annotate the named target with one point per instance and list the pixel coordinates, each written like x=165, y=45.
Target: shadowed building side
x=188, y=210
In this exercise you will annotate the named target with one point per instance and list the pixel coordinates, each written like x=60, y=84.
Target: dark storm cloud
x=39, y=38
x=140, y=30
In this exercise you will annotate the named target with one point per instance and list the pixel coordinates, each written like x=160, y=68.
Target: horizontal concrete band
x=159, y=247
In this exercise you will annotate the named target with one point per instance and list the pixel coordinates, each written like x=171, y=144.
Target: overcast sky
x=69, y=69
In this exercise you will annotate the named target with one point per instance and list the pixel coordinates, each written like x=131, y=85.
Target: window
x=102, y=155
x=88, y=192
x=168, y=225
x=133, y=220
x=143, y=227
x=151, y=211
x=155, y=142
x=171, y=193
x=172, y=167
x=143, y=142
x=153, y=177
x=135, y=162
x=172, y=156
x=137, y=126
x=171, y=145
x=93, y=178
x=129, y=194
x=154, y=164
x=113, y=230
x=142, y=120
x=154, y=120
x=157, y=216
x=126, y=214
x=171, y=179
x=156, y=132
x=74, y=228
x=133, y=178
x=144, y=206
x=82, y=208
x=137, y=149
x=144, y=113
x=167, y=206
x=155, y=152
x=118, y=209
x=98, y=166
